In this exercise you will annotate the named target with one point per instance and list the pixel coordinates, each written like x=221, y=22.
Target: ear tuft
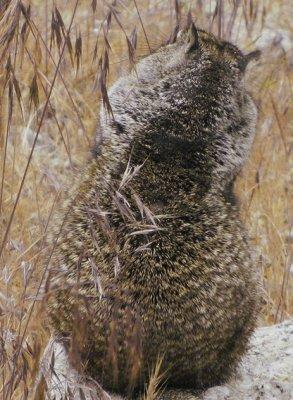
x=254, y=55
x=193, y=43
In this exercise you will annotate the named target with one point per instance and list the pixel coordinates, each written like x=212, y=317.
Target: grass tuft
x=57, y=59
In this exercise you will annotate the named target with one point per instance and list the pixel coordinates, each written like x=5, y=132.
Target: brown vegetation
x=56, y=60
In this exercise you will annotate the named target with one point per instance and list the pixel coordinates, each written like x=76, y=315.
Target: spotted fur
x=153, y=261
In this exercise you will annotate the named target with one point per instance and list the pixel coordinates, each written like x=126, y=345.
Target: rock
x=266, y=372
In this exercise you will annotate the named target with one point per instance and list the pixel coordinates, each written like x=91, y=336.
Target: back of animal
x=153, y=263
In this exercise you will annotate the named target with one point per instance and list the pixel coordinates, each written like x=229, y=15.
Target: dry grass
x=55, y=62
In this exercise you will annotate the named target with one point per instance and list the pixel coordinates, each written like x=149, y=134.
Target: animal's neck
x=173, y=168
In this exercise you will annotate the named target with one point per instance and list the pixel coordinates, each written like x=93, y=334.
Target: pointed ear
x=254, y=55
x=193, y=41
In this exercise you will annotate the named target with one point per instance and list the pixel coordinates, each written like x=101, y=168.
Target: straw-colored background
x=49, y=105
